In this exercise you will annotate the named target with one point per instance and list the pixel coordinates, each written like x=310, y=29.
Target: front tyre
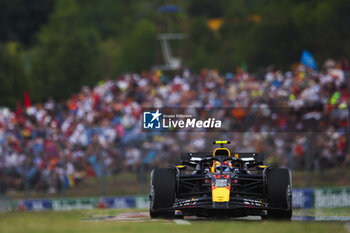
x=279, y=193
x=162, y=195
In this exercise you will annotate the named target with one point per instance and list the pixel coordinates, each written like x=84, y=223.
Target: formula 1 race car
x=221, y=184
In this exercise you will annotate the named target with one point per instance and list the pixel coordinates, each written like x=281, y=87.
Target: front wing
x=204, y=206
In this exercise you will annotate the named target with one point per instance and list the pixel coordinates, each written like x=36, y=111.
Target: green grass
x=328, y=178
x=71, y=222
x=117, y=185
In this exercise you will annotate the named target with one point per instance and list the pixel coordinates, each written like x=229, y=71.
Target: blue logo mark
x=151, y=120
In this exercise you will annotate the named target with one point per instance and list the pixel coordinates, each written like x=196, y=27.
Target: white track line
x=182, y=222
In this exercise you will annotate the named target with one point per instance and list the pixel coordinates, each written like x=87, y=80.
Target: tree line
x=51, y=48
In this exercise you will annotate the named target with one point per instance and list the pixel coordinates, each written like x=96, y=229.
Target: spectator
x=94, y=132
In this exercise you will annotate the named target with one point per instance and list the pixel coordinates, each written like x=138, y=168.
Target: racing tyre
x=279, y=193
x=162, y=195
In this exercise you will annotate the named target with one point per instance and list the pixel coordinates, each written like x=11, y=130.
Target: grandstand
x=52, y=146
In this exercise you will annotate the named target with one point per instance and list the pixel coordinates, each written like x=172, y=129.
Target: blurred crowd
x=97, y=132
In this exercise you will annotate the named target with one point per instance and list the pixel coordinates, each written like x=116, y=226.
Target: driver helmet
x=226, y=166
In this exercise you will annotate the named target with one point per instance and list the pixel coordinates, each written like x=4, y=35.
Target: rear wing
x=196, y=157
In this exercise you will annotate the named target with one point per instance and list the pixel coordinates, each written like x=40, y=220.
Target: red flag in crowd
x=27, y=102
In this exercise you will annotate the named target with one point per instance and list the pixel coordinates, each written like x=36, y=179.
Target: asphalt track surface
x=144, y=217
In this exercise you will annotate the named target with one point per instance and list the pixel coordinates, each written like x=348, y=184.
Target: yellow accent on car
x=180, y=166
x=262, y=166
x=221, y=142
x=221, y=194
x=229, y=153
x=212, y=168
x=236, y=156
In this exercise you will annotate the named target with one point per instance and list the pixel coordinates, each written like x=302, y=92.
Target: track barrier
x=303, y=198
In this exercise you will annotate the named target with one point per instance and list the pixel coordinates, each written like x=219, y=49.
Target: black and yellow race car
x=221, y=184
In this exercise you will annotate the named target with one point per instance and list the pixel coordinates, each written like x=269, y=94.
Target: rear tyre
x=279, y=193
x=163, y=188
